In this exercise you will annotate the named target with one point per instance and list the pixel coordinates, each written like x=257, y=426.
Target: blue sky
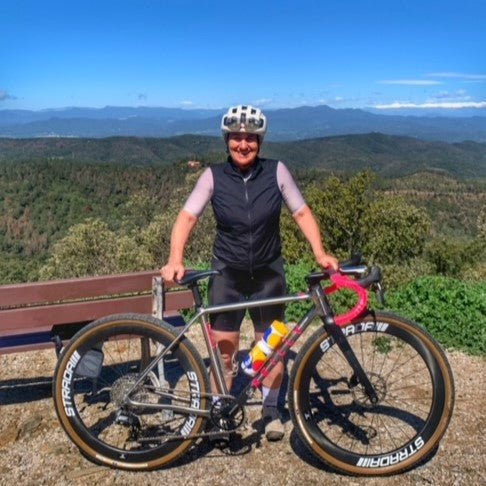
x=211, y=54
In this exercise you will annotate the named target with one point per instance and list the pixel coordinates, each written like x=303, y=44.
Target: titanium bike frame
x=321, y=308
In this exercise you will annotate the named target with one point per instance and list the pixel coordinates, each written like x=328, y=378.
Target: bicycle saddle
x=191, y=277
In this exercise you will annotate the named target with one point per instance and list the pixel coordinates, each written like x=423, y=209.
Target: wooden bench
x=43, y=314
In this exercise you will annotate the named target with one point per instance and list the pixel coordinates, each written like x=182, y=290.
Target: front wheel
x=334, y=416
x=112, y=416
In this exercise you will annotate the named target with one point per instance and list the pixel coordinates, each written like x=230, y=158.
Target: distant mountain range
x=285, y=124
x=388, y=155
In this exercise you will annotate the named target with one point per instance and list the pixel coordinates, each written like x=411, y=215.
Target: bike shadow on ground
x=24, y=390
x=251, y=437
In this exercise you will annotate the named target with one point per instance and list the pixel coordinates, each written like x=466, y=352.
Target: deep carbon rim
x=128, y=438
x=416, y=397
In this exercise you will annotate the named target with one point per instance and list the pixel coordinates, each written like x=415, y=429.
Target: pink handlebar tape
x=341, y=281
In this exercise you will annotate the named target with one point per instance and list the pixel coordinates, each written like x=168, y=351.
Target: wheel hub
x=360, y=396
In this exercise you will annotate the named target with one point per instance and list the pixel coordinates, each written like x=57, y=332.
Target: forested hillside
x=124, y=150
x=62, y=217
x=388, y=155
x=43, y=202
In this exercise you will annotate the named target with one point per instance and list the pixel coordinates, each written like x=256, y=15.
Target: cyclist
x=246, y=193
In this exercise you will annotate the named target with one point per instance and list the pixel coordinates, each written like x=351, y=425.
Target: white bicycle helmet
x=244, y=118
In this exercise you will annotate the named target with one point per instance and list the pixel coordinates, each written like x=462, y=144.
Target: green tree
x=91, y=248
x=452, y=257
x=139, y=210
x=352, y=217
x=393, y=230
x=155, y=238
x=339, y=206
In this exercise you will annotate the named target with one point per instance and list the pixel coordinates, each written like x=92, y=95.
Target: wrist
x=320, y=254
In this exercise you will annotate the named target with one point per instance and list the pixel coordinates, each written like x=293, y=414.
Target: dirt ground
x=35, y=451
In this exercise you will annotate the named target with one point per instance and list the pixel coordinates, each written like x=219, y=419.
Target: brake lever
x=380, y=293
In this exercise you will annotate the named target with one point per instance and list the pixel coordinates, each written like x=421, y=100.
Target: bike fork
x=338, y=335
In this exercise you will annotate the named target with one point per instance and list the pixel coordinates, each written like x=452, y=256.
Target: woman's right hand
x=172, y=272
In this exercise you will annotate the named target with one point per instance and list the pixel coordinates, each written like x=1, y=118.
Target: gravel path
x=35, y=451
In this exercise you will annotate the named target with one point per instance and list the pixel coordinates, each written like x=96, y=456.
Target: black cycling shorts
x=234, y=285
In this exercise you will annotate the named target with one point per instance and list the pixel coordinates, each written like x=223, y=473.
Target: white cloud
x=478, y=77
x=438, y=104
x=411, y=82
x=459, y=95
x=187, y=103
x=6, y=96
x=263, y=102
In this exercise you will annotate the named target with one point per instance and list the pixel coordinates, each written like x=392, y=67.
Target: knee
x=230, y=363
x=228, y=359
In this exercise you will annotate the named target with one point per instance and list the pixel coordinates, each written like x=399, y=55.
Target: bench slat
x=29, y=311
x=26, y=319
x=31, y=319
x=27, y=347
x=77, y=288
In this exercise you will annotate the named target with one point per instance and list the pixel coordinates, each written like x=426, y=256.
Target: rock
x=29, y=426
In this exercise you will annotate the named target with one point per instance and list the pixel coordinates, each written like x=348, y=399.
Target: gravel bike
x=370, y=393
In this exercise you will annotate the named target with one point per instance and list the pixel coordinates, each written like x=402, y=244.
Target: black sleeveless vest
x=247, y=214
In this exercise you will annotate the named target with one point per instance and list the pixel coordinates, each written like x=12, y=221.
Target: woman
x=246, y=193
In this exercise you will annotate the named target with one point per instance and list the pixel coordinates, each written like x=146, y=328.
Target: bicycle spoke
x=113, y=411
x=336, y=412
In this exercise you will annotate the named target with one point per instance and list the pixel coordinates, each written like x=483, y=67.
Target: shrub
x=394, y=231
x=401, y=273
x=453, y=311
x=92, y=248
x=453, y=257
x=295, y=275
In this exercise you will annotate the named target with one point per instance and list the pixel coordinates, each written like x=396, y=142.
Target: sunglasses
x=242, y=123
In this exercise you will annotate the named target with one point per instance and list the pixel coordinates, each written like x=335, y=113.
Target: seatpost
x=196, y=294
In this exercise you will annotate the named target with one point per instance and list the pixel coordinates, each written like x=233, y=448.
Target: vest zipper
x=247, y=199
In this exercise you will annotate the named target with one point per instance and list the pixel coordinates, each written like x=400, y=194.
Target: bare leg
x=228, y=343
x=274, y=429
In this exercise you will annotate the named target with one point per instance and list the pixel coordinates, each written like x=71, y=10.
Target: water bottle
x=272, y=338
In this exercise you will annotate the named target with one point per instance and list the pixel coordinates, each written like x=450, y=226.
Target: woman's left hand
x=328, y=261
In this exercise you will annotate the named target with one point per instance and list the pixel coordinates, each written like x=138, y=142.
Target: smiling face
x=243, y=148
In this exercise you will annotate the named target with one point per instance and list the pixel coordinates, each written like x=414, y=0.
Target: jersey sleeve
x=290, y=192
x=201, y=194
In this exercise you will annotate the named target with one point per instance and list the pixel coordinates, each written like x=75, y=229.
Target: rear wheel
x=97, y=371
x=335, y=418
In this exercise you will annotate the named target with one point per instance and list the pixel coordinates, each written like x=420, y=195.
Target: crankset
x=226, y=414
